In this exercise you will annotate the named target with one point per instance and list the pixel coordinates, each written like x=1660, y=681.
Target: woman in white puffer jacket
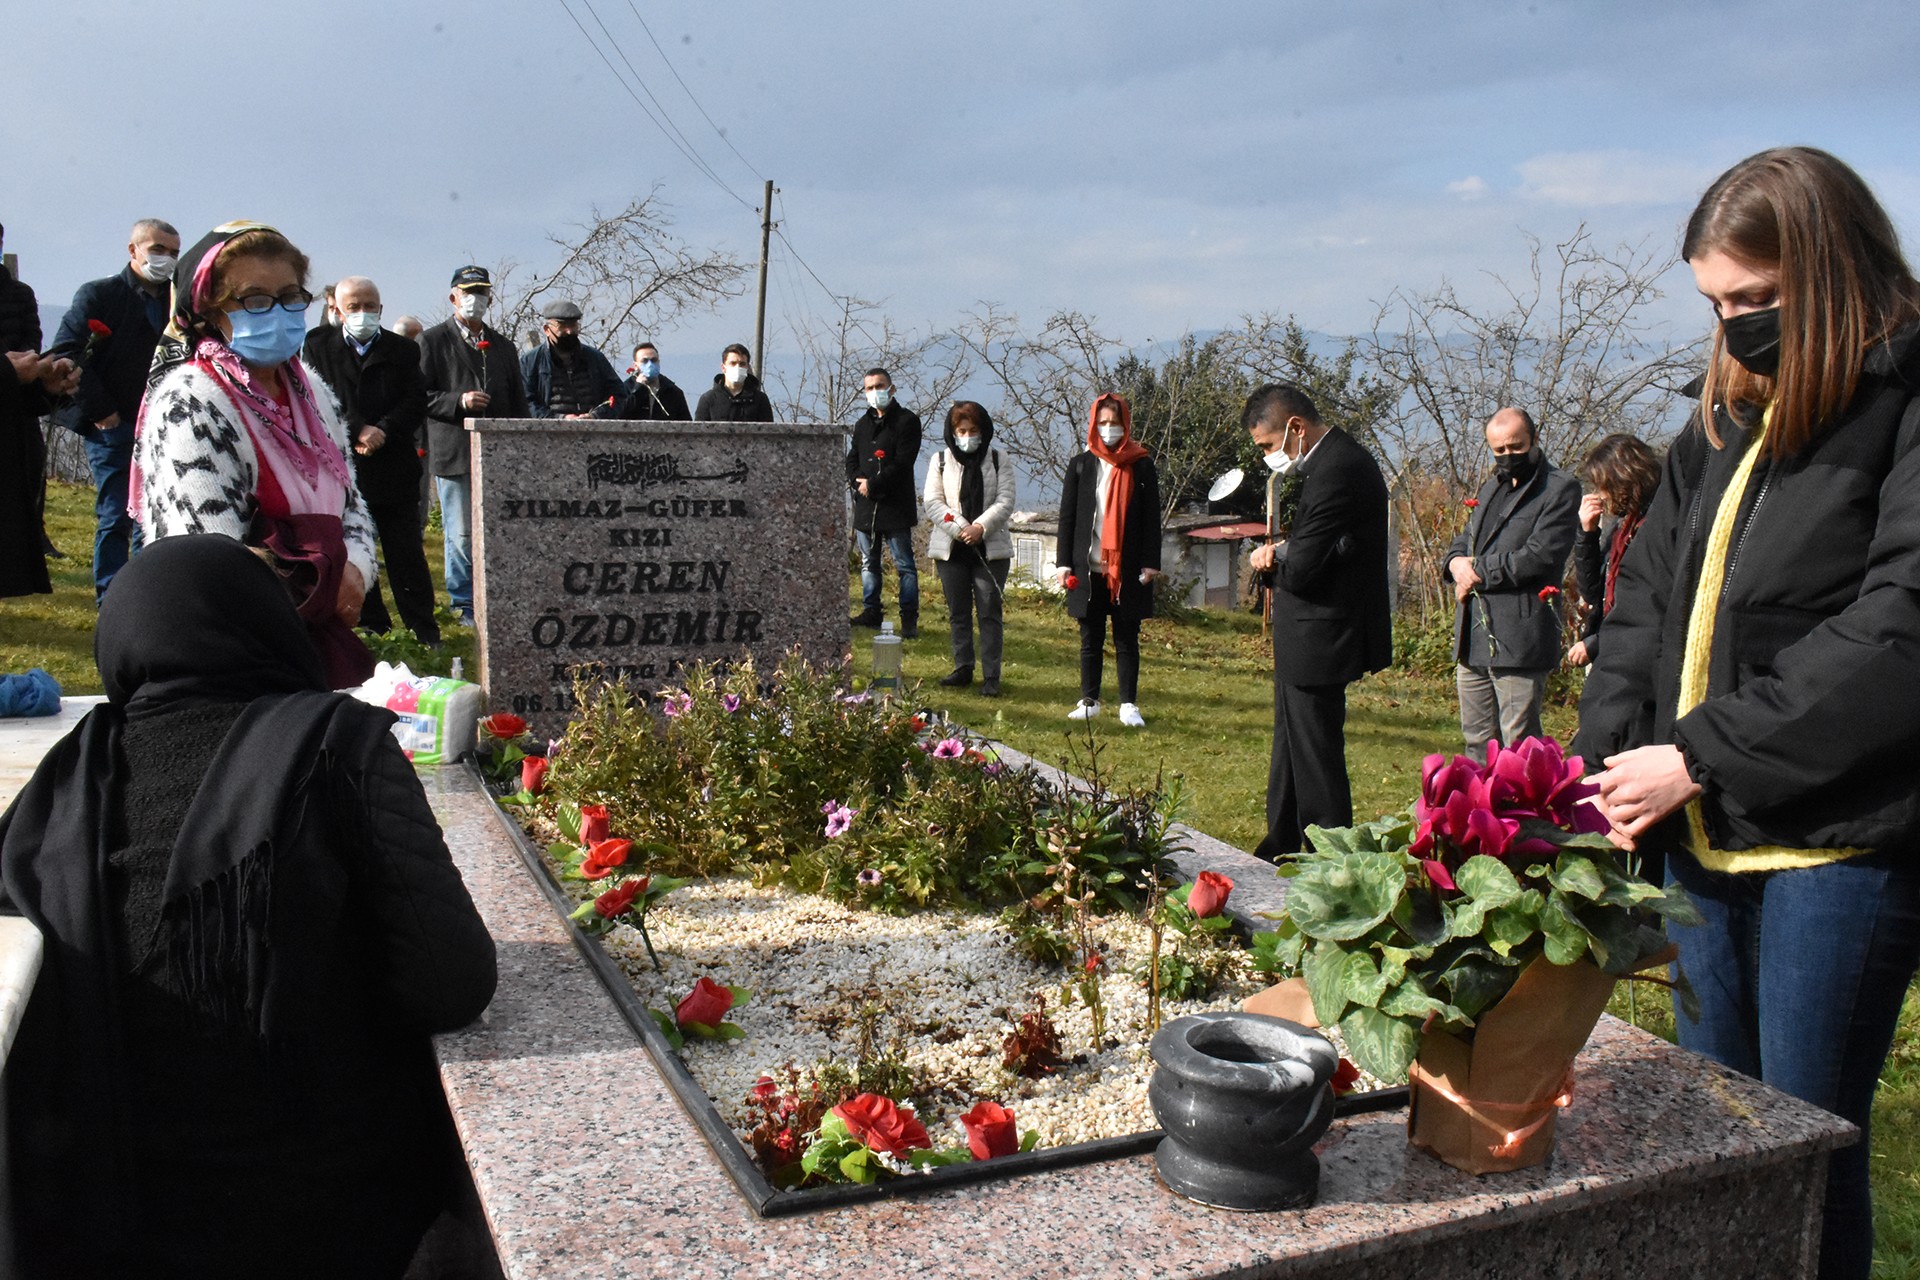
x=969, y=500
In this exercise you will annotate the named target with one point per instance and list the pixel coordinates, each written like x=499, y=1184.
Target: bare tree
x=628, y=272
x=836, y=352
x=1046, y=382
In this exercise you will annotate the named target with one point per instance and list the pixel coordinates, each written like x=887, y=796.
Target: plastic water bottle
x=886, y=660
x=455, y=673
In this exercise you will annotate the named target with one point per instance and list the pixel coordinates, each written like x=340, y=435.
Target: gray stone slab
x=635, y=549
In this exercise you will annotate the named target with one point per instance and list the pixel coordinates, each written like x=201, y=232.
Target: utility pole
x=760, y=312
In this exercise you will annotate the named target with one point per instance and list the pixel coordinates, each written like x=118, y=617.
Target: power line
x=718, y=131
x=691, y=158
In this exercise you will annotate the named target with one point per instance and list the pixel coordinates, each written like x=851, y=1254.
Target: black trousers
x=1307, y=775
x=1093, y=642
x=973, y=585
x=404, y=560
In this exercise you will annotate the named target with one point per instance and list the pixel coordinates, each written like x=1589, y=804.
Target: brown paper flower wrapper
x=1488, y=1105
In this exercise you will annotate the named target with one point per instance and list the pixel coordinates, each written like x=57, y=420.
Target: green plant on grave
x=1429, y=916
x=1036, y=936
x=1201, y=956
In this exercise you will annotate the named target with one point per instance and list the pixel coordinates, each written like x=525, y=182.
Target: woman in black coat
x=1620, y=475
x=1757, y=698
x=1108, y=551
x=252, y=927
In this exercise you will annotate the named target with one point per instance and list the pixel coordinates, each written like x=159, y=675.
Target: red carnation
x=98, y=328
x=603, y=856
x=614, y=902
x=1548, y=593
x=706, y=1004
x=533, y=775
x=481, y=345
x=949, y=517
x=1093, y=962
x=593, y=823
x=990, y=1130
x=883, y=1124
x=1345, y=1077
x=1073, y=582
x=504, y=725
x=879, y=453
x=1209, y=894
x=1471, y=503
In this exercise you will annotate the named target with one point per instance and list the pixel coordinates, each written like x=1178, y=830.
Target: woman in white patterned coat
x=969, y=499
x=237, y=436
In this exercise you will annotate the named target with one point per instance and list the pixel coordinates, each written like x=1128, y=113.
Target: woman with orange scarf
x=1108, y=551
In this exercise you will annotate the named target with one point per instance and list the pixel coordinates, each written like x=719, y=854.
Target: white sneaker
x=1130, y=716
x=1084, y=710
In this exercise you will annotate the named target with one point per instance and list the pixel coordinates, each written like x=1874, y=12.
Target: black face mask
x=1754, y=340
x=567, y=342
x=1511, y=467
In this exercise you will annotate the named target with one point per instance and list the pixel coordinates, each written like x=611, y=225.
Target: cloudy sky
x=1161, y=166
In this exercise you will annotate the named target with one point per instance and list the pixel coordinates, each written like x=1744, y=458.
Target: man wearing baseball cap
x=470, y=372
x=565, y=378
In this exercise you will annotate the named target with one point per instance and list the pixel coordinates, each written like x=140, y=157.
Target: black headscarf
x=973, y=485
x=190, y=619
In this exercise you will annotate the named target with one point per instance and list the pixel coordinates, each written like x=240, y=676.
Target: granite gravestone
x=633, y=550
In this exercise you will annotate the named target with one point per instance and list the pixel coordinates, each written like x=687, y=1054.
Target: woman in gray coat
x=969, y=500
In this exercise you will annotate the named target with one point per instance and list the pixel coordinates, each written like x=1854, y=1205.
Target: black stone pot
x=1242, y=1098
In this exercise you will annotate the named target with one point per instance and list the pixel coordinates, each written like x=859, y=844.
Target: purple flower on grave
x=856, y=699
x=869, y=879
x=839, y=818
x=677, y=704
x=949, y=749
x=992, y=768
x=731, y=701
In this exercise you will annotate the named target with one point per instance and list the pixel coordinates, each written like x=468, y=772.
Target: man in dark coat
x=649, y=395
x=1332, y=617
x=28, y=384
x=1506, y=568
x=470, y=372
x=736, y=395
x=566, y=378
x=383, y=404
x=132, y=309
x=886, y=441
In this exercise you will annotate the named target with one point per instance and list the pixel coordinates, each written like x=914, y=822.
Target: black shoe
x=990, y=687
x=52, y=552
x=958, y=678
x=871, y=621
x=909, y=628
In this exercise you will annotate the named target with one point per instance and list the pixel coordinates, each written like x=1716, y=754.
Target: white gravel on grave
x=954, y=976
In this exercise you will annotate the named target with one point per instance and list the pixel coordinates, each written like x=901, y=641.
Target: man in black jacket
x=1506, y=568
x=110, y=331
x=649, y=395
x=1332, y=618
x=383, y=403
x=470, y=372
x=886, y=441
x=566, y=378
x=736, y=395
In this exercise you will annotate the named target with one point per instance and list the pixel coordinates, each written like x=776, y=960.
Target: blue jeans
x=900, y=544
x=115, y=535
x=456, y=527
x=1800, y=976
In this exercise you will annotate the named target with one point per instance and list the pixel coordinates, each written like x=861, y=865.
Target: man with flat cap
x=565, y=378
x=470, y=372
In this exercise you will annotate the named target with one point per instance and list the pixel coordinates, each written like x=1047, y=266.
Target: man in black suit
x=1332, y=621
x=383, y=402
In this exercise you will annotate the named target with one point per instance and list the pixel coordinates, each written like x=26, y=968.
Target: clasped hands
x=1640, y=788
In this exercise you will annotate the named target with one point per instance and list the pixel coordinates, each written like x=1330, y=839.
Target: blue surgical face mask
x=649, y=369
x=269, y=338
x=966, y=444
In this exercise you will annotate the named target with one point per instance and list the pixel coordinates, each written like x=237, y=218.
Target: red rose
x=533, y=775
x=1345, y=1077
x=1548, y=593
x=603, y=856
x=98, y=328
x=504, y=725
x=593, y=823
x=883, y=1125
x=615, y=901
x=1471, y=503
x=706, y=1004
x=1209, y=894
x=990, y=1131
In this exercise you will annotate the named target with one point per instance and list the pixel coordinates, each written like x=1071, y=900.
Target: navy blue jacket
x=115, y=379
x=536, y=370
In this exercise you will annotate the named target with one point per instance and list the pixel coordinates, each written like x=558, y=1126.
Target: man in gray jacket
x=1506, y=568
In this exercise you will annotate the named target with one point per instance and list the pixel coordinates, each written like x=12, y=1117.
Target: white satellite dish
x=1226, y=485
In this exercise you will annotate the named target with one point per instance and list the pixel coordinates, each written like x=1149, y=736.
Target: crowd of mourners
x=253, y=923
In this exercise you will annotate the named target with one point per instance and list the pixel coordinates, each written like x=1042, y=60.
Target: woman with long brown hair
x=1620, y=475
x=1757, y=698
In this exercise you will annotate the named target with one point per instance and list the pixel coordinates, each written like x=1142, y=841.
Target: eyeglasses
x=260, y=303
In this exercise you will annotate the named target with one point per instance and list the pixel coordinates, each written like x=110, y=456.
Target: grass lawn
x=1206, y=691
